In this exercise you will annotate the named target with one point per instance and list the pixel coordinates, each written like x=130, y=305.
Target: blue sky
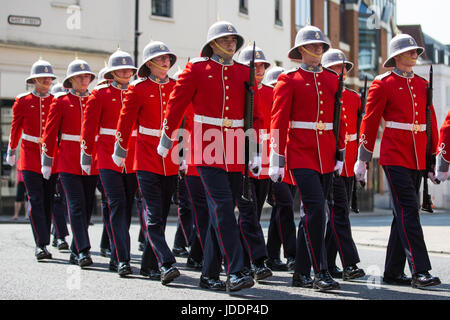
x=432, y=15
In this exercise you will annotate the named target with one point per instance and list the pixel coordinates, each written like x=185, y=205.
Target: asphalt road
x=23, y=278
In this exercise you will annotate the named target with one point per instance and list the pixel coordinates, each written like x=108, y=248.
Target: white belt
x=112, y=132
x=406, y=126
x=70, y=137
x=350, y=137
x=31, y=138
x=311, y=125
x=228, y=123
x=150, y=132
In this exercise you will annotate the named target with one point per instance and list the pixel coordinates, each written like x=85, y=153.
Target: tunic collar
x=78, y=93
x=221, y=60
x=158, y=80
x=119, y=86
x=313, y=69
x=40, y=95
x=403, y=74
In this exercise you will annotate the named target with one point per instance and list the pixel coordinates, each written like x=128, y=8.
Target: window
x=325, y=17
x=368, y=39
x=278, y=13
x=162, y=8
x=243, y=6
x=302, y=12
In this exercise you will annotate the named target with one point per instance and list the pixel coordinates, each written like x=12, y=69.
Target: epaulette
x=198, y=59
x=60, y=94
x=137, y=81
x=351, y=90
x=240, y=63
x=101, y=86
x=329, y=70
x=23, y=95
x=382, y=76
x=290, y=71
x=416, y=75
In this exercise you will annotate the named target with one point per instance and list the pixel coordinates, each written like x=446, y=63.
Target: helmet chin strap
x=38, y=85
x=318, y=56
x=158, y=66
x=230, y=53
x=120, y=79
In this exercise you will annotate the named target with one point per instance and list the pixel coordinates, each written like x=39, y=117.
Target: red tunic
x=216, y=91
x=351, y=103
x=396, y=98
x=65, y=120
x=144, y=105
x=306, y=96
x=29, y=118
x=100, y=118
x=444, y=139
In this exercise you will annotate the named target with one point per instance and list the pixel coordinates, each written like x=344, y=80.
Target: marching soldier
x=399, y=96
x=281, y=229
x=119, y=183
x=30, y=112
x=303, y=113
x=443, y=158
x=66, y=109
x=145, y=104
x=251, y=232
x=215, y=85
x=339, y=235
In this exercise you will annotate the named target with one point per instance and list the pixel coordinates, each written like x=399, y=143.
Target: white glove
x=439, y=175
x=119, y=161
x=255, y=165
x=162, y=151
x=11, y=159
x=276, y=174
x=339, y=166
x=86, y=168
x=183, y=167
x=360, y=171
x=46, y=172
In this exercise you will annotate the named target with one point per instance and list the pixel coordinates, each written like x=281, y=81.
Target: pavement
x=370, y=229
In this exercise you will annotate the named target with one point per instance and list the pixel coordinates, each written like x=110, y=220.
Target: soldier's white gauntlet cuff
x=364, y=154
x=86, y=160
x=277, y=160
x=119, y=151
x=10, y=152
x=165, y=141
x=442, y=165
x=340, y=156
x=46, y=161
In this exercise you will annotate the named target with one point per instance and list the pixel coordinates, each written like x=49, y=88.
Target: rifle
x=427, y=204
x=248, y=124
x=176, y=195
x=336, y=125
x=360, y=113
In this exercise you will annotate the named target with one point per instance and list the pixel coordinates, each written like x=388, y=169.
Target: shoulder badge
x=290, y=71
x=198, y=59
x=416, y=75
x=352, y=91
x=60, y=94
x=329, y=70
x=382, y=76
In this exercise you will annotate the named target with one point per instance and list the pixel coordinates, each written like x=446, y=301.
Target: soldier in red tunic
x=65, y=120
x=215, y=85
x=443, y=157
x=30, y=111
x=144, y=106
x=400, y=98
x=302, y=119
x=339, y=235
x=119, y=183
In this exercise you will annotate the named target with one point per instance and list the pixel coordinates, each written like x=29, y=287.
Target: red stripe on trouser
x=70, y=219
x=403, y=224
x=307, y=231
x=181, y=224
x=146, y=224
x=280, y=231
x=217, y=219
x=195, y=214
x=245, y=239
x=110, y=218
x=337, y=238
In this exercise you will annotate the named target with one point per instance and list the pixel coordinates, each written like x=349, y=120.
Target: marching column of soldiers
x=158, y=138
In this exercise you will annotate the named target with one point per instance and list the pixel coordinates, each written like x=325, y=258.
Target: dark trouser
x=222, y=189
x=406, y=238
x=199, y=205
x=339, y=233
x=252, y=236
x=106, y=233
x=282, y=226
x=302, y=258
x=119, y=189
x=261, y=191
x=40, y=194
x=140, y=211
x=313, y=188
x=80, y=197
x=185, y=224
x=59, y=212
x=157, y=191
